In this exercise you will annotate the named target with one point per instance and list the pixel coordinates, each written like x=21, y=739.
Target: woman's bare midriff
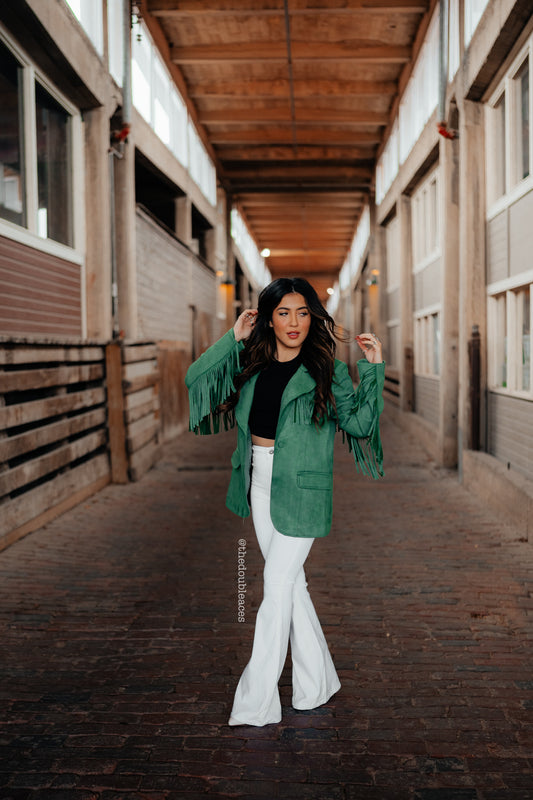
x=263, y=442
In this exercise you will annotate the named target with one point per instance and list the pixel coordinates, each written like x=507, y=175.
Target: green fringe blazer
x=302, y=475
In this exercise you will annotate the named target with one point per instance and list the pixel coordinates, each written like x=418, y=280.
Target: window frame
x=502, y=323
x=424, y=342
x=423, y=251
x=514, y=187
x=28, y=234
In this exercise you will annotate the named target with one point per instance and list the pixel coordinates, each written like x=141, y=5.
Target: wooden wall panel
x=521, y=235
x=427, y=286
x=53, y=432
x=40, y=294
x=427, y=398
x=498, y=248
x=510, y=431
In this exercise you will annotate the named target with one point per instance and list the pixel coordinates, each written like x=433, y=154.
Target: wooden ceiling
x=293, y=98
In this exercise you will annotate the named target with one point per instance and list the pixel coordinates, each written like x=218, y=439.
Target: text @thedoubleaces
x=241, y=580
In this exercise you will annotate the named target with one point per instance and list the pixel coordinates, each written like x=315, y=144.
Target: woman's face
x=291, y=321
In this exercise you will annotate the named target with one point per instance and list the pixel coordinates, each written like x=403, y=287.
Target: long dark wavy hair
x=318, y=348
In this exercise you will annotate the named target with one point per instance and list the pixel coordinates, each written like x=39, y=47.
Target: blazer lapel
x=300, y=383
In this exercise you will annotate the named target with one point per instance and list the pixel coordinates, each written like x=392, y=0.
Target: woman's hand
x=245, y=324
x=371, y=347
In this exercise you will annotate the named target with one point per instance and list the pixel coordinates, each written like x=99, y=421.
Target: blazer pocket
x=322, y=481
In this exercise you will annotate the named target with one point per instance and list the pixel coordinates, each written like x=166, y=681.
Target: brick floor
x=121, y=647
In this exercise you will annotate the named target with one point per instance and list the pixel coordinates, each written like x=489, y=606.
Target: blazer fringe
x=210, y=390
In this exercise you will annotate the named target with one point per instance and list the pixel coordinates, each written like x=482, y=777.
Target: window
x=500, y=149
x=53, y=126
x=425, y=222
x=510, y=321
x=157, y=99
x=509, y=148
x=427, y=344
x=454, y=49
x=523, y=334
x=39, y=135
x=392, y=232
x=521, y=121
x=421, y=94
x=89, y=15
x=254, y=263
x=115, y=39
x=473, y=11
x=12, y=196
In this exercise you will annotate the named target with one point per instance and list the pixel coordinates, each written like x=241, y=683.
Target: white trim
x=428, y=311
x=30, y=148
x=507, y=200
x=507, y=284
x=518, y=395
x=27, y=234
x=514, y=187
x=427, y=261
x=24, y=236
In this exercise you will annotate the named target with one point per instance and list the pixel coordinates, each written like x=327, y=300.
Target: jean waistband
x=259, y=449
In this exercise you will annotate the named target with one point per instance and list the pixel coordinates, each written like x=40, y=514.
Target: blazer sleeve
x=209, y=380
x=358, y=413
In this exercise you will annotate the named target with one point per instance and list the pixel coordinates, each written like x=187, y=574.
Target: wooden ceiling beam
x=296, y=171
x=325, y=116
x=281, y=88
x=309, y=229
x=301, y=51
x=317, y=185
x=297, y=153
x=293, y=199
x=284, y=135
x=187, y=8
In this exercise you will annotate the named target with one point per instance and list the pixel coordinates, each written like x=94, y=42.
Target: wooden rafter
x=301, y=51
x=293, y=97
x=235, y=8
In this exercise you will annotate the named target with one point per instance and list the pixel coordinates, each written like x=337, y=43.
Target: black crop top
x=269, y=389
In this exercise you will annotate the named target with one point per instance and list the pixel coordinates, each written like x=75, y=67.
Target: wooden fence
x=53, y=432
x=133, y=397
x=72, y=418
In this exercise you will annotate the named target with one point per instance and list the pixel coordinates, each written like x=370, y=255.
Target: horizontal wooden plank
x=143, y=459
x=308, y=134
x=249, y=8
x=22, y=413
x=13, y=446
x=50, y=462
x=141, y=424
x=21, y=380
x=143, y=437
x=140, y=411
x=28, y=506
x=301, y=51
x=326, y=117
x=30, y=354
x=137, y=369
x=280, y=87
x=139, y=353
x=140, y=398
x=141, y=382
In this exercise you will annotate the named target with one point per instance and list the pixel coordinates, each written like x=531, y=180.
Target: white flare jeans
x=286, y=612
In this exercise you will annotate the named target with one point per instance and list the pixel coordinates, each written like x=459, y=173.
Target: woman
x=275, y=375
